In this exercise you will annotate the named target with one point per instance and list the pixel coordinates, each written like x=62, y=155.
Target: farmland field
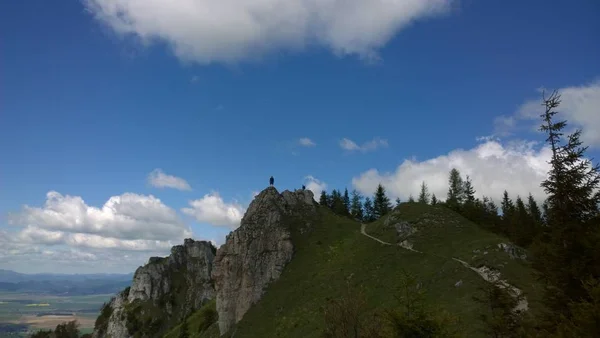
x=24, y=312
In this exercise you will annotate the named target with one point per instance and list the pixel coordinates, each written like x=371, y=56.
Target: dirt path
x=487, y=274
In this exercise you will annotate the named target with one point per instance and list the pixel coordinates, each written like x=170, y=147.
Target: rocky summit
x=172, y=287
x=256, y=253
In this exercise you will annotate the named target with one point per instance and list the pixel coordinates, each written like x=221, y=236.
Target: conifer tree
x=398, y=201
x=469, y=191
x=434, y=200
x=381, y=203
x=508, y=210
x=569, y=252
x=411, y=199
x=455, y=191
x=356, y=205
x=346, y=200
x=522, y=224
x=368, y=210
x=534, y=211
x=424, y=194
x=323, y=199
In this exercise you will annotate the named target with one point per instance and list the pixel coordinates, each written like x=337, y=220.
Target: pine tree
x=522, y=224
x=369, y=211
x=424, y=194
x=569, y=253
x=434, y=200
x=381, y=203
x=534, y=211
x=508, y=210
x=398, y=201
x=455, y=191
x=411, y=199
x=323, y=198
x=347, y=201
x=469, y=191
x=356, y=205
x=337, y=203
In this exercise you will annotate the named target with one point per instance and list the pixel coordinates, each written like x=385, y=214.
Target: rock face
x=256, y=253
x=176, y=284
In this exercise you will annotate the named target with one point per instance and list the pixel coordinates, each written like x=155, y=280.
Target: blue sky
x=92, y=101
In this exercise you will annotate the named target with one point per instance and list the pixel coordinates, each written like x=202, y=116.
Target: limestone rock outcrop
x=177, y=285
x=256, y=253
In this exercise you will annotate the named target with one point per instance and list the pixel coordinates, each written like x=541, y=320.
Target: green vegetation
x=202, y=323
x=335, y=256
x=63, y=330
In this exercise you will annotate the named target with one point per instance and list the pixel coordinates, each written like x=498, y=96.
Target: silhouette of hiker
x=271, y=180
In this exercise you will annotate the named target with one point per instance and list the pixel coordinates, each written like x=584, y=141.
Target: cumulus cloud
x=122, y=233
x=128, y=216
x=230, y=31
x=315, y=185
x=374, y=144
x=519, y=167
x=579, y=106
x=306, y=142
x=157, y=178
x=212, y=209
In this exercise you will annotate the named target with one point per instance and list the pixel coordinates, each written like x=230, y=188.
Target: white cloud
x=315, y=185
x=213, y=210
x=195, y=79
x=306, y=142
x=579, y=106
x=157, y=178
x=374, y=144
x=230, y=31
x=128, y=216
x=518, y=167
x=66, y=234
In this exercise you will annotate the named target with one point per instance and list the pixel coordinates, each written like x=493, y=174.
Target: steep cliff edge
x=162, y=293
x=255, y=254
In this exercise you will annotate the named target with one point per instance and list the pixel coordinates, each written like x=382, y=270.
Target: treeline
x=64, y=330
x=363, y=209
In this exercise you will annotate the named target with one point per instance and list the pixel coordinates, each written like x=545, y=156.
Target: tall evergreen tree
x=356, y=205
x=568, y=253
x=381, y=203
x=347, y=201
x=323, y=199
x=398, y=201
x=434, y=200
x=522, y=224
x=534, y=211
x=455, y=196
x=469, y=191
x=508, y=211
x=411, y=199
x=369, y=211
x=424, y=194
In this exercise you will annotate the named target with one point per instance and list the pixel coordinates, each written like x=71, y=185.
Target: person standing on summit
x=271, y=180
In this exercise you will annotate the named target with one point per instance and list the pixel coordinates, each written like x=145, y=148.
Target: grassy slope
x=335, y=250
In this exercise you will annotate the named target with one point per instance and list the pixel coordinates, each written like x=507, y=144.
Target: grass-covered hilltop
x=348, y=266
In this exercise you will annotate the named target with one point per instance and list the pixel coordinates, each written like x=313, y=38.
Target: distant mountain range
x=63, y=284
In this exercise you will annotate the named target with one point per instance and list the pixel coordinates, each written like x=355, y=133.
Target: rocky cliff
x=162, y=293
x=256, y=253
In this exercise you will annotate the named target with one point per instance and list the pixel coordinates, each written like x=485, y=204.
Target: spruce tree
x=569, y=251
x=534, y=211
x=347, y=201
x=398, y=201
x=424, y=194
x=369, y=211
x=455, y=196
x=522, y=224
x=381, y=203
x=411, y=199
x=469, y=191
x=323, y=198
x=508, y=210
x=434, y=200
x=356, y=206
